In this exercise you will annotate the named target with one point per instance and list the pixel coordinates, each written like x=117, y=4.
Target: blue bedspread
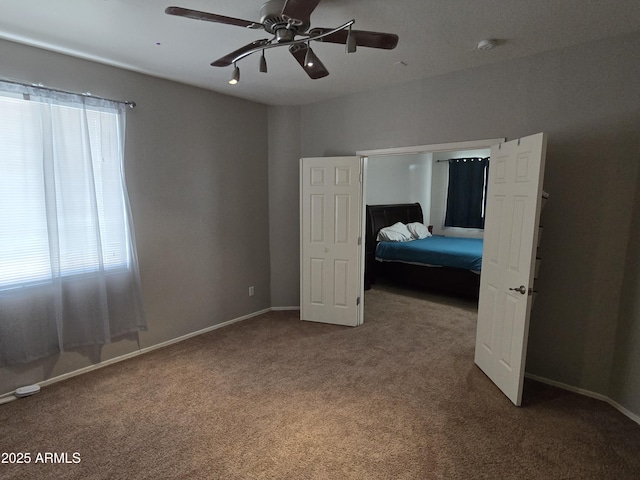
x=443, y=251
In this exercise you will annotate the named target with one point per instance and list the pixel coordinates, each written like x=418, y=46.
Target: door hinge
x=359, y=240
x=360, y=177
x=358, y=301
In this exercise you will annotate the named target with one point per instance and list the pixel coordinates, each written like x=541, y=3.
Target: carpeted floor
x=276, y=398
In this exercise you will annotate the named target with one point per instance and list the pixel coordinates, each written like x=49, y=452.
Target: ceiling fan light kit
x=286, y=20
x=351, y=46
x=308, y=58
x=263, y=63
x=235, y=78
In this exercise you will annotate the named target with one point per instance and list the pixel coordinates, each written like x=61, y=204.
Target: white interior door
x=508, y=261
x=331, y=253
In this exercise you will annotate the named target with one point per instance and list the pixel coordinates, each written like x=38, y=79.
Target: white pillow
x=397, y=232
x=418, y=230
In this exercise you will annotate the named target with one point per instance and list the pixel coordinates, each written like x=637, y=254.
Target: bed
x=438, y=263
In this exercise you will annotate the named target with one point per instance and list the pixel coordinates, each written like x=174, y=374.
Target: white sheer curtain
x=68, y=264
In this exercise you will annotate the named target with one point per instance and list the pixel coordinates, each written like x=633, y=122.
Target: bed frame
x=438, y=279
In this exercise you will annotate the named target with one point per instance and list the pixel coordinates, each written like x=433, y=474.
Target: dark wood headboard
x=380, y=216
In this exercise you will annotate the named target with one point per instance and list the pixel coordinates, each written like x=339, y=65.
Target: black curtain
x=466, y=196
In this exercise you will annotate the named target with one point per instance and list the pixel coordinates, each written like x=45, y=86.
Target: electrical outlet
x=251, y=291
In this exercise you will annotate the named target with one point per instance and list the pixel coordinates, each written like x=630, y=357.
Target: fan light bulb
x=309, y=58
x=235, y=78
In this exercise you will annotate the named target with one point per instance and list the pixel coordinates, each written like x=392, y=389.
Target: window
x=67, y=256
x=78, y=194
x=467, y=192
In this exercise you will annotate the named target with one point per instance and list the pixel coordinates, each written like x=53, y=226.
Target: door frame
x=434, y=148
x=398, y=151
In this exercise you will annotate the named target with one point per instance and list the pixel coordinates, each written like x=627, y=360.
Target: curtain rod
x=128, y=103
x=463, y=158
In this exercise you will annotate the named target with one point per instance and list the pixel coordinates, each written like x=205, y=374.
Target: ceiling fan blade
x=210, y=17
x=387, y=41
x=228, y=58
x=318, y=70
x=299, y=9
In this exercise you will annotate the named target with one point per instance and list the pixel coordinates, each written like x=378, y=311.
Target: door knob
x=522, y=289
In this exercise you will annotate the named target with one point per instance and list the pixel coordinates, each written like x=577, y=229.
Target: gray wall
x=196, y=168
x=284, y=201
x=625, y=379
x=586, y=99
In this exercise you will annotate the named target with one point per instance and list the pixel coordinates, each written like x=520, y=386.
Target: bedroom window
x=68, y=270
x=50, y=212
x=467, y=192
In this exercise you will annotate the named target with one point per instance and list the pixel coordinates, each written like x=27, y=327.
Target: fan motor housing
x=283, y=27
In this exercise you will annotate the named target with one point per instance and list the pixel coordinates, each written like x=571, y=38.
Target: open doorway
x=333, y=195
x=420, y=175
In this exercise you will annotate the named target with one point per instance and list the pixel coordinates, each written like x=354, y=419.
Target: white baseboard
x=276, y=309
x=142, y=351
x=586, y=393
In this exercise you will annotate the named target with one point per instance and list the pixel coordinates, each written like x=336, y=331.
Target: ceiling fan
x=289, y=23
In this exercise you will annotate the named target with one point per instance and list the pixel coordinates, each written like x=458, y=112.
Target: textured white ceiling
x=436, y=37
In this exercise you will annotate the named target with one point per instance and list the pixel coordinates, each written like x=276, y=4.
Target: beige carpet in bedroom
x=276, y=398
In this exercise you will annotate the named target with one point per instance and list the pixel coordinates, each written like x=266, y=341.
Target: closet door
x=331, y=253
x=508, y=261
